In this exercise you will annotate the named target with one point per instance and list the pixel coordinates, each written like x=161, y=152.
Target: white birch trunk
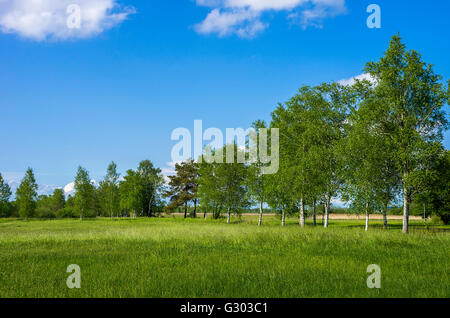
x=228, y=216
x=260, y=213
x=302, y=213
x=367, y=216
x=424, y=214
x=405, y=212
x=283, y=218
x=314, y=212
x=327, y=212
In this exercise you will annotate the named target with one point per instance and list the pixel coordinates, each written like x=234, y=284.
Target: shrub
x=436, y=220
x=6, y=209
x=45, y=213
x=66, y=212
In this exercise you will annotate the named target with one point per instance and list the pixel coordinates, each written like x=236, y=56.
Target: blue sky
x=117, y=89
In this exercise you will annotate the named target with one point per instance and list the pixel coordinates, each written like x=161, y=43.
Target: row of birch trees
x=369, y=144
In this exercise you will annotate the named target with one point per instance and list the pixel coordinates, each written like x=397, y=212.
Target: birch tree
x=410, y=98
x=109, y=191
x=256, y=181
x=84, y=194
x=331, y=118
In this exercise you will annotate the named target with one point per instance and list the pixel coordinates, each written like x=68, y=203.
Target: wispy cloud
x=244, y=18
x=47, y=19
x=169, y=170
x=352, y=80
x=14, y=179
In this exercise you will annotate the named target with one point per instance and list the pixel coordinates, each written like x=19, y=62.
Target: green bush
x=66, y=212
x=45, y=213
x=436, y=220
x=396, y=211
x=6, y=209
x=91, y=213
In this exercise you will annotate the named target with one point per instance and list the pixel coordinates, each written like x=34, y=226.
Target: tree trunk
x=260, y=213
x=385, y=216
x=327, y=212
x=229, y=215
x=302, y=213
x=283, y=218
x=314, y=212
x=185, y=210
x=195, y=208
x=424, y=214
x=204, y=214
x=367, y=216
x=110, y=205
x=405, y=211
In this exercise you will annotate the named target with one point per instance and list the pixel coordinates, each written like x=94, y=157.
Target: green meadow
x=175, y=257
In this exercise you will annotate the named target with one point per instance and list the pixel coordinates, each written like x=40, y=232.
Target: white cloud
x=15, y=178
x=69, y=188
x=337, y=202
x=243, y=22
x=244, y=17
x=47, y=19
x=166, y=172
x=352, y=80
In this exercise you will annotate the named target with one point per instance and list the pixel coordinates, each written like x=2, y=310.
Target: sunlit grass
x=173, y=257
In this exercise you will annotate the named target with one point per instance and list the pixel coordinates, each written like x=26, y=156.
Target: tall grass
x=171, y=257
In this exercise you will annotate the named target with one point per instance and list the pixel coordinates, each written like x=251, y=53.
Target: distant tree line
x=137, y=194
x=370, y=144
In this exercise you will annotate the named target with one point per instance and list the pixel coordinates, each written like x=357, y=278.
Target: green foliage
x=140, y=191
x=151, y=182
x=108, y=192
x=6, y=209
x=130, y=202
x=66, y=212
x=440, y=193
x=26, y=195
x=84, y=195
x=58, y=200
x=5, y=190
x=222, y=186
x=5, y=194
x=407, y=105
x=256, y=180
x=371, y=179
x=183, y=186
x=312, y=126
x=435, y=197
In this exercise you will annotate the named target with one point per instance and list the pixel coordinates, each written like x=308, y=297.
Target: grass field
x=173, y=257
